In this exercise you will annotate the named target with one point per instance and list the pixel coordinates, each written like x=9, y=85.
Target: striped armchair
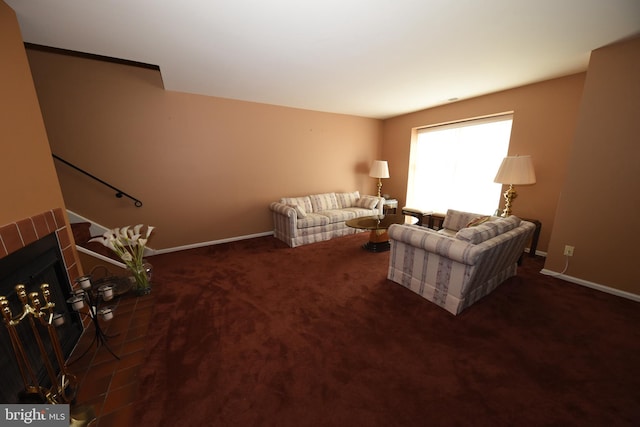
x=455, y=271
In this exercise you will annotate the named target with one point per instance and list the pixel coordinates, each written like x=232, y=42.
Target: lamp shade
x=379, y=169
x=517, y=170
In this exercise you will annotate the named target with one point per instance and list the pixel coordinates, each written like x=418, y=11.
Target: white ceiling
x=372, y=58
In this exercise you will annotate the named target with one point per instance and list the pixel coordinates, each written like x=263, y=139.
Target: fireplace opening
x=37, y=263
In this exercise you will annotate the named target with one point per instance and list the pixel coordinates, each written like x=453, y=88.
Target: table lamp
x=379, y=169
x=514, y=170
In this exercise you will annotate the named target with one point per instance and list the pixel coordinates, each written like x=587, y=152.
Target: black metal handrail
x=119, y=193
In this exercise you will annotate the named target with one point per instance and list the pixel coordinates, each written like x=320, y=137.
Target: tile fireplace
x=33, y=251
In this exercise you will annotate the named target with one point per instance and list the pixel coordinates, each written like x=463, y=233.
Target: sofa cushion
x=509, y=223
x=313, y=220
x=300, y=211
x=478, y=220
x=457, y=220
x=358, y=212
x=305, y=202
x=347, y=200
x=447, y=232
x=488, y=230
x=323, y=202
x=366, y=202
x=338, y=215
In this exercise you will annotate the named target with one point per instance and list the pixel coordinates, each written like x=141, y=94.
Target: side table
x=390, y=206
x=423, y=216
x=536, y=236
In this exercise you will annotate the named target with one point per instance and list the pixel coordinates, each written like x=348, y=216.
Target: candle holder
x=86, y=296
x=58, y=319
x=84, y=282
x=106, y=313
x=106, y=292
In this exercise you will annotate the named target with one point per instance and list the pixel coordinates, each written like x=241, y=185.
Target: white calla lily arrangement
x=129, y=244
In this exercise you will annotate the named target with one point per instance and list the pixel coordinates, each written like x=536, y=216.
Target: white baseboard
x=98, y=230
x=538, y=253
x=209, y=243
x=100, y=257
x=150, y=252
x=592, y=285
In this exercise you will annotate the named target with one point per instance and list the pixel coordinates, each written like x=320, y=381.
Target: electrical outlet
x=568, y=250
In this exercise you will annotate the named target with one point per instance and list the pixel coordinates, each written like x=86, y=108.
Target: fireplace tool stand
x=86, y=295
x=64, y=385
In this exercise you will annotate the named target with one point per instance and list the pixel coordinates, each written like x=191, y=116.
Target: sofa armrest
x=432, y=241
x=282, y=209
x=285, y=220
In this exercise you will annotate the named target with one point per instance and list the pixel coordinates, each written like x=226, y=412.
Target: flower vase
x=141, y=278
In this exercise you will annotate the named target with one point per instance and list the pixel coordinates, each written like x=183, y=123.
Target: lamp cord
x=566, y=267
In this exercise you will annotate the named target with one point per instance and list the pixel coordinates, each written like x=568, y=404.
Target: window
x=453, y=166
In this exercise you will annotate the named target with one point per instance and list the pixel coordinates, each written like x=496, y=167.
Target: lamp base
x=509, y=195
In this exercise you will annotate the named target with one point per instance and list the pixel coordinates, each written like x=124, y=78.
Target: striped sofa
x=301, y=220
x=460, y=264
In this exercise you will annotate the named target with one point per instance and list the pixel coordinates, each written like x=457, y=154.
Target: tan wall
x=598, y=211
x=545, y=116
x=28, y=182
x=205, y=168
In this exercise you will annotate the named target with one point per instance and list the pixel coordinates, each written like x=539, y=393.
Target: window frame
x=456, y=201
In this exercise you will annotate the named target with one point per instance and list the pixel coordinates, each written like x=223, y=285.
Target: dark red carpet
x=254, y=333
